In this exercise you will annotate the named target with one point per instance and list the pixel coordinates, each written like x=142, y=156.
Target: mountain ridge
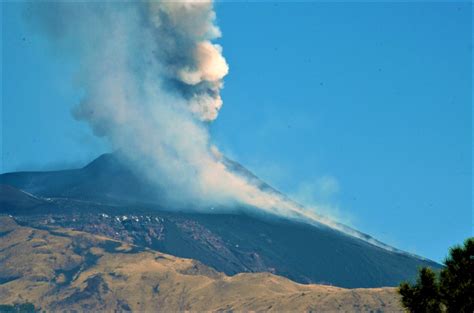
x=112, y=164
x=60, y=269
x=210, y=238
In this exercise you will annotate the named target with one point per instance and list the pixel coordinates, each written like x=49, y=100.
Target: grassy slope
x=63, y=269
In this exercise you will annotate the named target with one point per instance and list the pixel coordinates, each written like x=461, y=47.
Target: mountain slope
x=106, y=179
x=106, y=198
x=58, y=269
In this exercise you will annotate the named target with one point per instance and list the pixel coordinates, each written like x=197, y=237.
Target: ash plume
x=151, y=77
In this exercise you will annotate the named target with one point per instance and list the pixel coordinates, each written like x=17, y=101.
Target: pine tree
x=450, y=291
x=457, y=279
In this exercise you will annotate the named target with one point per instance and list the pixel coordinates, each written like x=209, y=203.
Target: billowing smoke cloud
x=151, y=77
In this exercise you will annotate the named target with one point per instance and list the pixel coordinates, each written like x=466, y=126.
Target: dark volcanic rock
x=106, y=198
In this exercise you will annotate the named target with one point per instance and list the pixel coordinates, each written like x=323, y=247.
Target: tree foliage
x=451, y=290
x=17, y=308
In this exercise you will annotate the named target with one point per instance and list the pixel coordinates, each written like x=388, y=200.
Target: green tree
x=457, y=279
x=451, y=290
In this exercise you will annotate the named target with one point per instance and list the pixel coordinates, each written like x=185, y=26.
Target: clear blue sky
x=363, y=106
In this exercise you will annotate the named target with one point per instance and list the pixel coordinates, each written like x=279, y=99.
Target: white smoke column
x=151, y=77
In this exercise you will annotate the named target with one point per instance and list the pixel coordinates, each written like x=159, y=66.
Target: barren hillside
x=57, y=268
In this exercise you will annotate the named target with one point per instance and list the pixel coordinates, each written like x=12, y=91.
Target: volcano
x=109, y=198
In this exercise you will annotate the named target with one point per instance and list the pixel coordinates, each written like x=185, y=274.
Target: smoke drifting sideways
x=151, y=78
